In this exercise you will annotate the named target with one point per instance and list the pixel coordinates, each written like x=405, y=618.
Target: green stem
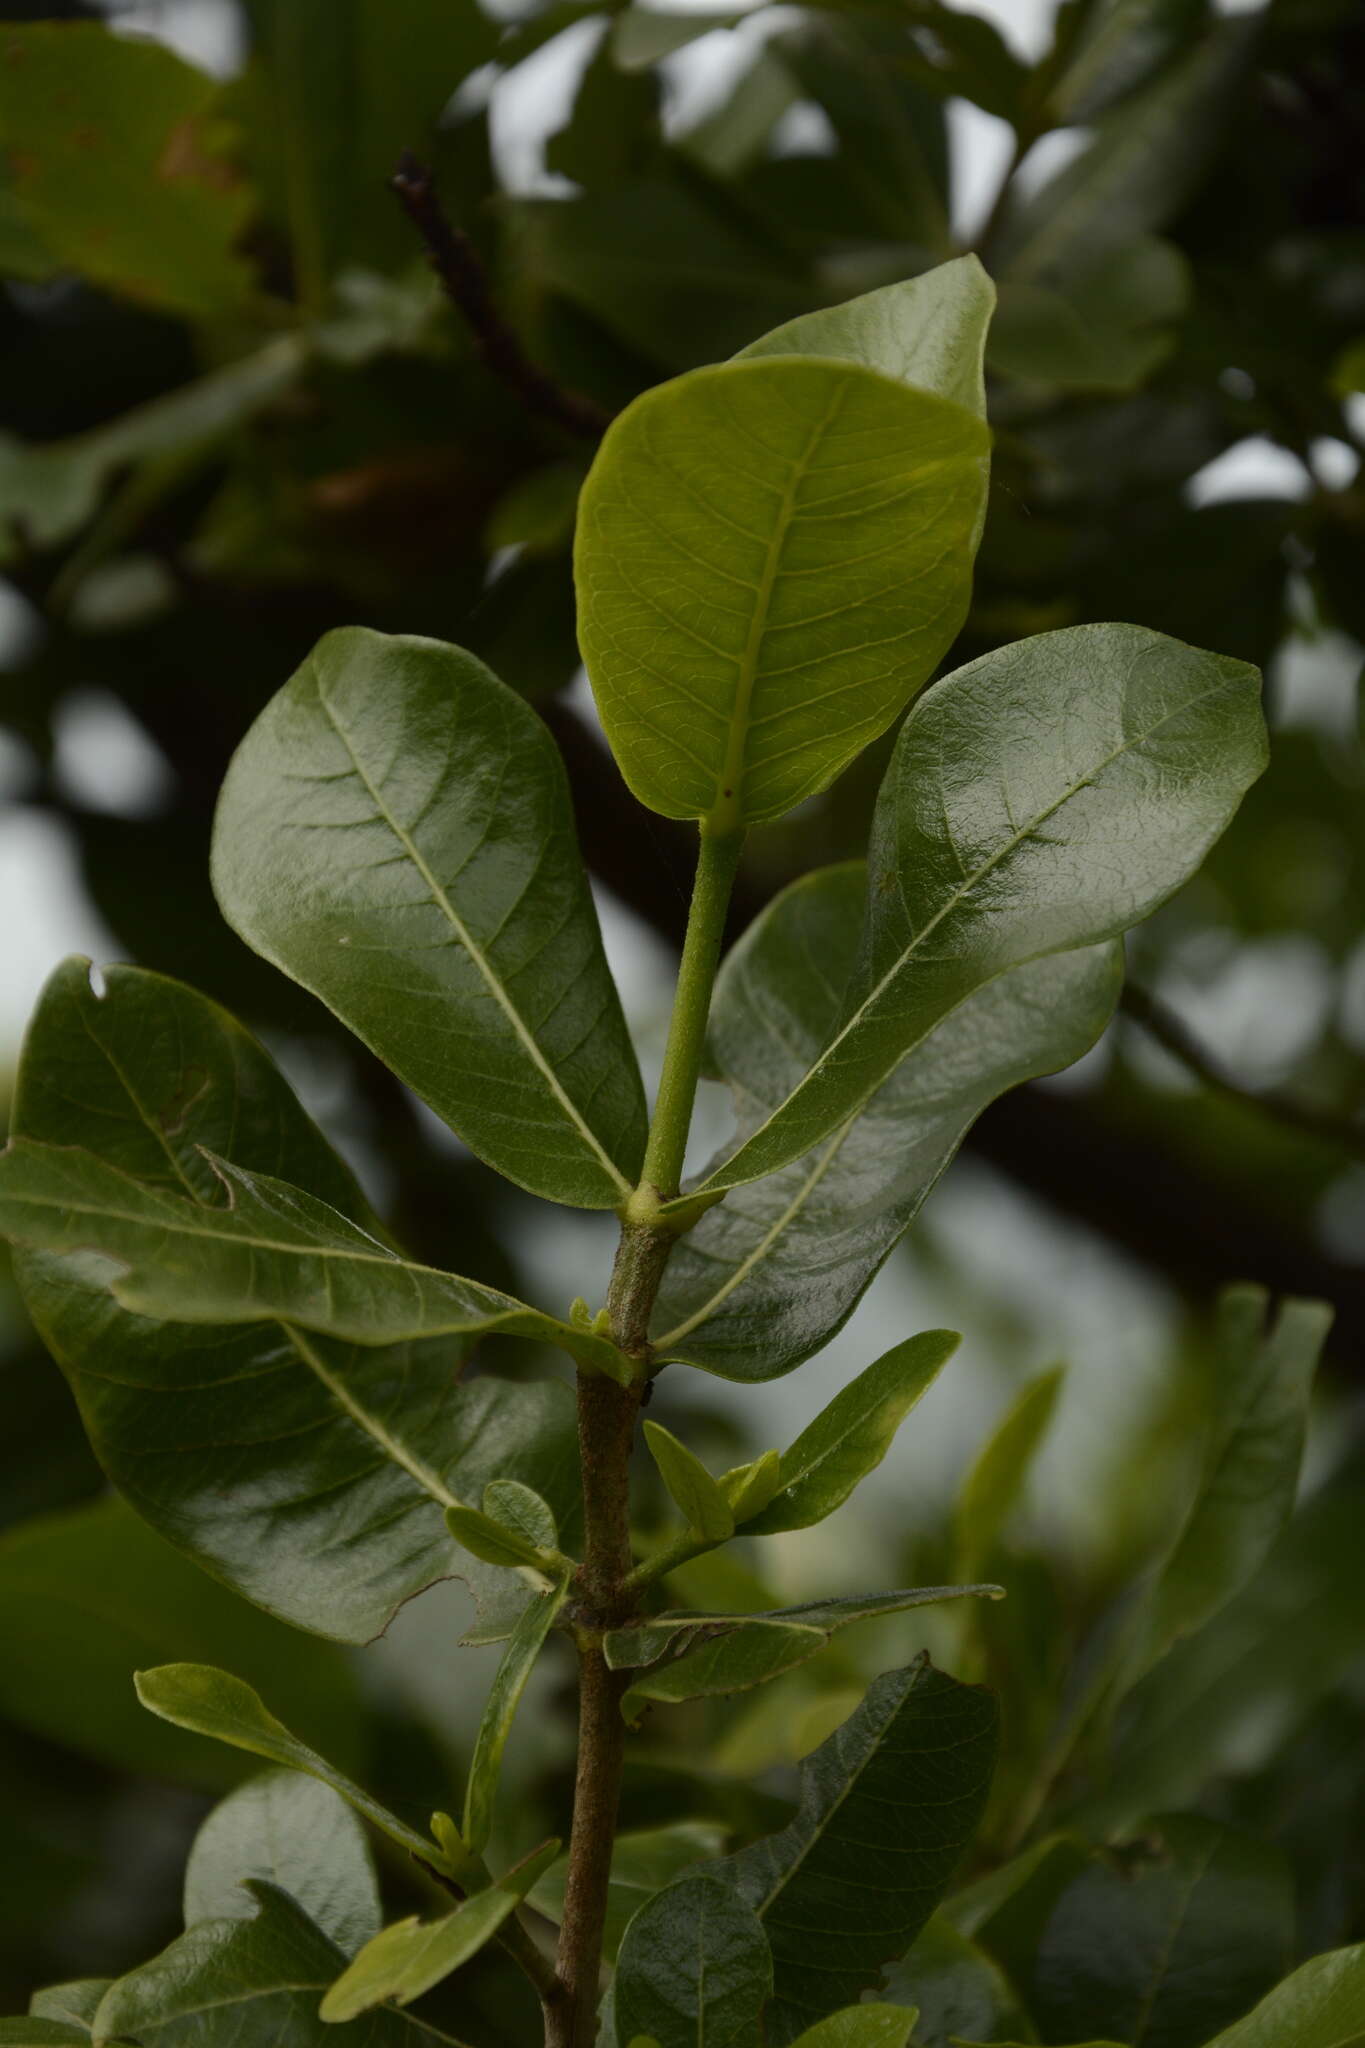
x=717, y=861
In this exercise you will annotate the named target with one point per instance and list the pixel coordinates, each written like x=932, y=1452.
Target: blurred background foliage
x=237, y=410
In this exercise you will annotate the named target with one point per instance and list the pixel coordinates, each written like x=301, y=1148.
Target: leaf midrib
x=464, y=937
x=968, y=884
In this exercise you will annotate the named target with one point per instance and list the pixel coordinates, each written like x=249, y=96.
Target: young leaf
x=74, y=2003
x=862, y=2026
x=1165, y=1941
x=736, y=1661
x=694, y=1969
x=696, y=1494
x=647, y=1641
x=1322, y=2005
x=494, y=1542
x=749, y=1488
x=269, y=1252
x=643, y=1861
x=367, y=843
x=770, y=1275
x=992, y=1486
x=1245, y=1495
x=216, y=1704
x=334, y=1461
x=772, y=557
x=1041, y=799
x=527, y=1642
x=413, y=1955
x=87, y=1596
x=850, y=1437
x=246, y=1980
x=888, y=1805
x=928, y=332
x=766, y=1278
x=296, y=1833
x=522, y=1508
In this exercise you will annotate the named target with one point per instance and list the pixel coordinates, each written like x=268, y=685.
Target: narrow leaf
x=992, y=1487
x=625, y=1648
x=42, y=2033
x=413, y=1955
x=333, y=1461
x=295, y=1832
x=849, y=1438
x=1322, y=2005
x=749, y=1488
x=888, y=1805
x=772, y=557
x=770, y=1275
x=216, y=1704
x=246, y=1980
x=527, y=1641
x=366, y=843
x=694, y=1969
x=494, y=1542
x=1041, y=799
x=736, y=1661
x=272, y=1252
x=695, y=1493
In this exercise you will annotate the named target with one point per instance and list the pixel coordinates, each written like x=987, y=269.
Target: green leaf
x=245, y=1980
x=862, y=2026
x=1163, y=1942
x=929, y=332
x=644, y=1642
x=74, y=2003
x=850, y=1437
x=1121, y=44
x=695, y=1493
x=216, y=1704
x=772, y=557
x=41, y=2033
x=737, y=1661
x=888, y=1805
x=1322, y=2005
x=265, y=1251
x=522, y=1508
x=770, y=1275
x=1103, y=324
x=332, y=1462
x=991, y=1489
x=116, y=147
x=494, y=1542
x=1263, y=1377
x=367, y=843
x=89, y=1595
x=694, y=1968
x=293, y=1832
x=1041, y=799
x=414, y=1955
x=643, y=1861
x=749, y=1488
x=954, y=1987
x=527, y=1641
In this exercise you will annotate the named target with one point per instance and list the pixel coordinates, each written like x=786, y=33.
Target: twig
x=457, y=264
x=1175, y=1037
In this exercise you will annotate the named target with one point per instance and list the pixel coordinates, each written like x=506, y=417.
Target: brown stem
x=597, y=1791
x=465, y=283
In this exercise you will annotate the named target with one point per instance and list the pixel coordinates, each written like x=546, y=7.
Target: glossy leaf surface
x=518, y=1662
x=260, y=1978
x=309, y=1474
x=1041, y=799
x=772, y=557
x=265, y=1251
x=888, y=1805
x=216, y=1704
x=853, y=1433
x=296, y=1833
x=395, y=833
x=1166, y=1943
x=694, y=1968
x=769, y=1275
x=928, y=332
x=88, y=1596
x=414, y=1955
